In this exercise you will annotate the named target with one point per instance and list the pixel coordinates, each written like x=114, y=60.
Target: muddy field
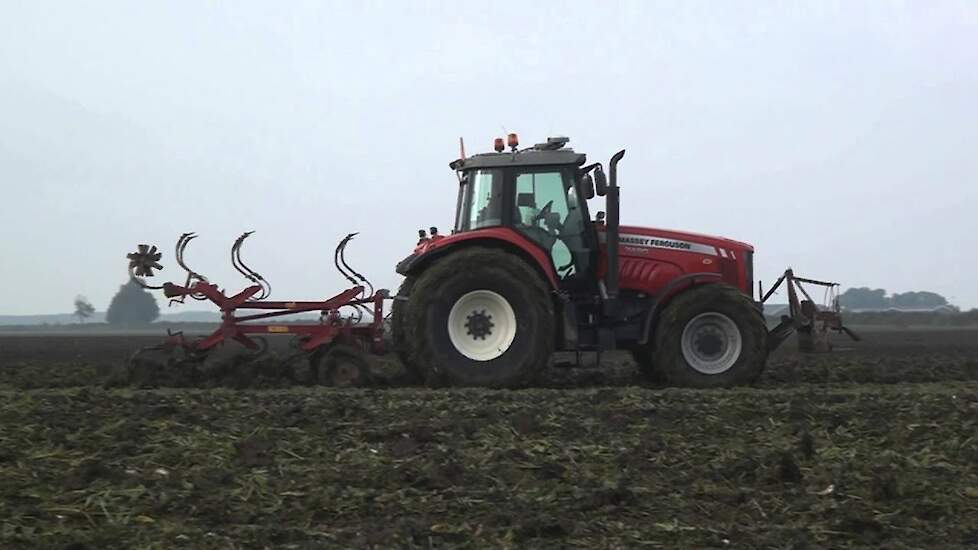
x=876, y=446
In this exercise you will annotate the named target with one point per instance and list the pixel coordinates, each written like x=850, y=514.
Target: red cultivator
x=350, y=324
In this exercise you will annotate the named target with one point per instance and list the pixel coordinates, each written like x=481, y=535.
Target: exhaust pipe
x=612, y=223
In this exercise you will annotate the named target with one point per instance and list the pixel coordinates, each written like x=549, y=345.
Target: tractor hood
x=678, y=240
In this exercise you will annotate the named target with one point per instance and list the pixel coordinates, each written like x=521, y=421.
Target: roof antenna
x=461, y=147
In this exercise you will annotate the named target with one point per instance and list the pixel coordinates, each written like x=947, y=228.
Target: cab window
x=480, y=200
x=548, y=212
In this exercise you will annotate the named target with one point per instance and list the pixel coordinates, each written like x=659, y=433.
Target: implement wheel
x=480, y=317
x=710, y=336
x=343, y=366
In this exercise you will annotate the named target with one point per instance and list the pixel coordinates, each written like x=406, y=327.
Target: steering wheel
x=550, y=219
x=541, y=215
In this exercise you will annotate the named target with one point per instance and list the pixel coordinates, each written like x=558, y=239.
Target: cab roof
x=542, y=154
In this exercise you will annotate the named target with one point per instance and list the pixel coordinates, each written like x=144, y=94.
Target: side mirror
x=600, y=182
x=587, y=184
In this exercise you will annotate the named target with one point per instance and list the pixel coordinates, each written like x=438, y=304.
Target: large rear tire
x=400, y=337
x=710, y=336
x=480, y=317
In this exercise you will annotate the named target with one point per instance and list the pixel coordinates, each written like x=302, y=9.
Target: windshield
x=480, y=200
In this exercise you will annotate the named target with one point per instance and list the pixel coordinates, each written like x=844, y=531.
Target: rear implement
x=350, y=325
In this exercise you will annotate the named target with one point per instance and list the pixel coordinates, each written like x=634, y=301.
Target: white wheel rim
x=482, y=325
x=711, y=343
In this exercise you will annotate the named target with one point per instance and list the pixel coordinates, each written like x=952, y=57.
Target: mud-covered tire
x=402, y=341
x=710, y=336
x=644, y=358
x=343, y=366
x=452, y=281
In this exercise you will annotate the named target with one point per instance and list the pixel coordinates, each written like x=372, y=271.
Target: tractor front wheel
x=480, y=317
x=710, y=336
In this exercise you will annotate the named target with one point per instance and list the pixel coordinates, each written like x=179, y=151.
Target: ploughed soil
x=872, y=446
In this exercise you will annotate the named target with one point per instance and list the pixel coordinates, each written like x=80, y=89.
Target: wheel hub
x=479, y=325
x=482, y=325
x=711, y=343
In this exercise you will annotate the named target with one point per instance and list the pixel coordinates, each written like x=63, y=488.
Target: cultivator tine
x=339, y=258
x=336, y=258
x=192, y=275
x=242, y=268
x=182, y=243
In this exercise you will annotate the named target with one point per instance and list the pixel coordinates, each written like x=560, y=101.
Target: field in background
x=874, y=445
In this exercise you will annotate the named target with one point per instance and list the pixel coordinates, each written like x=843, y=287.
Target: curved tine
x=346, y=265
x=140, y=282
x=236, y=257
x=181, y=247
x=338, y=253
x=336, y=258
x=257, y=277
x=244, y=269
x=234, y=254
x=358, y=278
x=178, y=250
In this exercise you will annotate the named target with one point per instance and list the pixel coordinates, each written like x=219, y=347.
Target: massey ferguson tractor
x=526, y=271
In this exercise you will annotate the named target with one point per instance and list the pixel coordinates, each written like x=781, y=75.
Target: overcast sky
x=840, y=138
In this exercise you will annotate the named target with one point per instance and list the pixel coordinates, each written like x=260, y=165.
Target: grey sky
x=839, y=138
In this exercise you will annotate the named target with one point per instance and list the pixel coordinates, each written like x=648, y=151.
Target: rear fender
x=498, y=237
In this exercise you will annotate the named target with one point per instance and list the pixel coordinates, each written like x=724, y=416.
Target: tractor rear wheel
x=480, y=317
x=399, y=334
x=710, y=336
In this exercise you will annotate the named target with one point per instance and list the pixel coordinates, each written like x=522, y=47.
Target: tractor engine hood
x=650, y=237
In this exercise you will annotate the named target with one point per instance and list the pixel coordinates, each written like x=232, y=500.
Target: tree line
x=876, y=298
x=131, y=305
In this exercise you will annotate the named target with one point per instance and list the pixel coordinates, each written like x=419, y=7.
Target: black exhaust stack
x=611, y=232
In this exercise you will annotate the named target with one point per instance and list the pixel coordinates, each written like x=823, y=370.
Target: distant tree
x=864, y=298
x=83, y=308
x=922, y=299
x=132, y=305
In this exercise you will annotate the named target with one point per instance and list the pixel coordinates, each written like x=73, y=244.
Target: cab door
x=549, y=212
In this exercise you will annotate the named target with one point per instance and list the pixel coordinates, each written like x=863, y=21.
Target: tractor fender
x=662, y=298
x=498, y=237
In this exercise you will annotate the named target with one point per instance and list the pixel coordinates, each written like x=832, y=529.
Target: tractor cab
x=539, y=192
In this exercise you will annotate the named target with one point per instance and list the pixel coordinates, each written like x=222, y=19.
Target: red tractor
x=527, y=271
